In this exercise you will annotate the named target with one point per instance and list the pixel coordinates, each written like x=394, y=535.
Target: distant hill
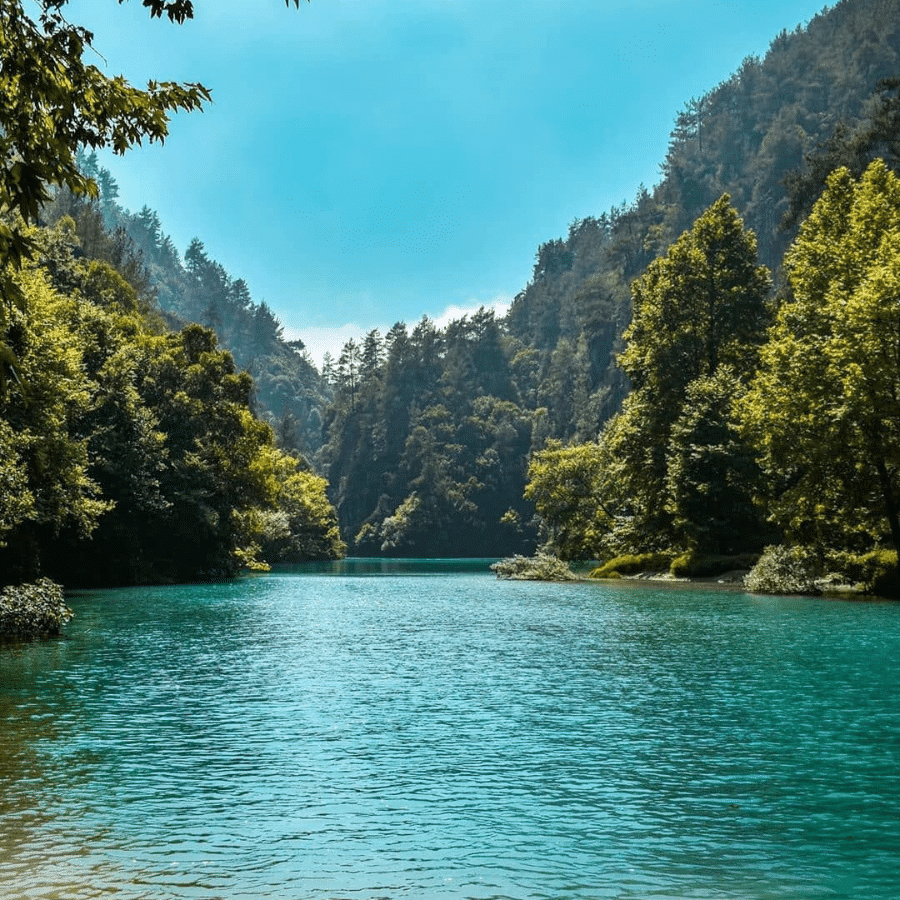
x=289, y=391
x=425, y=434
x=751, y=137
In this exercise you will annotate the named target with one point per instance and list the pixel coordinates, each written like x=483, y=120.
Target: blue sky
x=367, y=161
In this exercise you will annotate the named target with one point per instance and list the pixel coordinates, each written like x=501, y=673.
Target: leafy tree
x=823, y=411
x=632, y=489
x=564, y=485
x=303, y=524
x=700, y=306
x=711, y=472
x=44, y=468
x=699, y=312
x=55, y=103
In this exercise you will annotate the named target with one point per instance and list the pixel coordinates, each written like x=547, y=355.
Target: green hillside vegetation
x=627, y=371
x=695, y=376
x=790, y=441
x=768, y=136
x=749, y=420
x=129, y=450
x=427, y=444
x=288, y=391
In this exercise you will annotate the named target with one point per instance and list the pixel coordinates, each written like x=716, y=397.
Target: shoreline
x=826, y=586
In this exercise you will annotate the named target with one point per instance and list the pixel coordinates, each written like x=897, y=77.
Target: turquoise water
x=373, y=731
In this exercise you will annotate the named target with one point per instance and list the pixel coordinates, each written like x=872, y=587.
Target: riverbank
x=32, y=610
x=827, y=585
x=650, y=567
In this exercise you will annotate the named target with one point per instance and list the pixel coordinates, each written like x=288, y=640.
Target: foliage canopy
x=823, y=411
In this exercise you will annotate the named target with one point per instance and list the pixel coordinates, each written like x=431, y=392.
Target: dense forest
x=608, y=397
x=288, y=391
x=680, y=376
x=130, y=451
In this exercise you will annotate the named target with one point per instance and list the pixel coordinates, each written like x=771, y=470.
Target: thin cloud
x=500, y=306
x=320, y=339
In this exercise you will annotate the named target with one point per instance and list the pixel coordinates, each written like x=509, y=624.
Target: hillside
x=440, y=477
x=425, y=434
x=288, y=390
x=748, y=137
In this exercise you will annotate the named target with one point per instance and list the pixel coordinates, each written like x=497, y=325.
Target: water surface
x=371, y=730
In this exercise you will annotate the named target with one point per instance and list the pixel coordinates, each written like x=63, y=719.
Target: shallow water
x=368, y=731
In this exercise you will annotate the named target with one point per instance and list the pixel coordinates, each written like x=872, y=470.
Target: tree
x=348, y=370
x=698, y=311
x=328, y=374
x=711, y=472
x=45, y=483
x=699, y=306
x=824, y=409
x=563, y=484
x=306, y=524
x=53, y=104
x=689, y=122
x=371, y=356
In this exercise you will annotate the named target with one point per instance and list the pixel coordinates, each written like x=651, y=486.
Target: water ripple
x=452, y=736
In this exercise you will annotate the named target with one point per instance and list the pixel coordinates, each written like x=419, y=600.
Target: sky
x=371, y=161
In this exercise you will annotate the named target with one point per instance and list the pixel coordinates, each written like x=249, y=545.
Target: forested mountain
x=428, y=441
x=756, y=420
x=130, y=453
x=749, y=137
x=426, y=435
x=288, y=391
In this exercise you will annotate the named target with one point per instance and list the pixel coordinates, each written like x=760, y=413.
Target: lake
x=381, y=730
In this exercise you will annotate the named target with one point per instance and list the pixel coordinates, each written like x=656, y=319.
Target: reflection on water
x=381, y=565
x=444, y=734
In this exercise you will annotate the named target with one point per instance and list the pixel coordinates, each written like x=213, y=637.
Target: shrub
x=33, y=610
x=876, y=571
x=540, y=567
x=784, y=570
x=885, y=578
x=633, y=564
